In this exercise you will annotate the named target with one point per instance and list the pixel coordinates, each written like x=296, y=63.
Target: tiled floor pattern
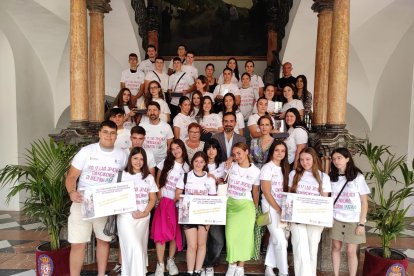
x=19, y=238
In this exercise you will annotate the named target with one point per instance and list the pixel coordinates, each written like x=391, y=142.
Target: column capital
x=101, y=6
x=322, y=5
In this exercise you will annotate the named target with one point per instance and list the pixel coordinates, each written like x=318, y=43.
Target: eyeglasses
x=194, y=132
x=108, y=133
x=154, y=87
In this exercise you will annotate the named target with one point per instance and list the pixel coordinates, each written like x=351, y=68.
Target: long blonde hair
x=316, y=167
x=244, y=147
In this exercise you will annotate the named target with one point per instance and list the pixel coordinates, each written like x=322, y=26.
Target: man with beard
x=159, y=133
x=228, y=138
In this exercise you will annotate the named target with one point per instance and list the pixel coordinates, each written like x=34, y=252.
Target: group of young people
x=211, y=120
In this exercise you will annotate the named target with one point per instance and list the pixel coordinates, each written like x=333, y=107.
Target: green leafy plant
x=387, y=210
x=43, y=177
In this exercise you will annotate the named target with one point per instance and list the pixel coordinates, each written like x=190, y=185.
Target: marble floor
x=19, y=238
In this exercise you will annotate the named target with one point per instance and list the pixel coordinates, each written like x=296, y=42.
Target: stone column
x=97, y=8
x=323, y=45
x=78, y=63
x=338, y=73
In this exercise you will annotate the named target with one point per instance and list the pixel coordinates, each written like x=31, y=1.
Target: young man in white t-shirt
x=94, y=165
x=157, y=75
x=137, y=140
x=181, y=51
x=147, y=65
x=158, y=133
x=189, y=67
x=117, y=115
x=179, y=82
x=133, y=79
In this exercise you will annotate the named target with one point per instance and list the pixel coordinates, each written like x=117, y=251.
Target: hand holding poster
x=196, y=209
x=307, y=209
x=108, y=199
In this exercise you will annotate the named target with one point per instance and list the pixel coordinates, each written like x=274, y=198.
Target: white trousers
x=276, y=254
x=133, y=241
x=305, y=241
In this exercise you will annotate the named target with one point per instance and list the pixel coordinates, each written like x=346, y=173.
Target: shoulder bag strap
x=157, y=76
x=119, y=176
x=175, y=87
x=337, y=197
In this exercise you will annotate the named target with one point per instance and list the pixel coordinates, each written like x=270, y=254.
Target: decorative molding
x=101, y=6
x=322, y=5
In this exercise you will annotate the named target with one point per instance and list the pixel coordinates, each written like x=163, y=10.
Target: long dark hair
x=182, y=100
x=294, y=90
x=298, y=121
x=213, y=143
x=236, y=70
x=351, y=171
x=144, y=170
x=170, y=160
x=234, y=108
x=305, y=88
x=148, y=96
x=119, y=102
x=200, y=114
x=284, y=163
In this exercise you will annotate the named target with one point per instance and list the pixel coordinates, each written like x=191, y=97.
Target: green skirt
x=240, y=230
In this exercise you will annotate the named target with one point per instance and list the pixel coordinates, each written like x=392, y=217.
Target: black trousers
x=215, y=244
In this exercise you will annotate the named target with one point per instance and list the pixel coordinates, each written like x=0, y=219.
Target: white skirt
x=133, y=241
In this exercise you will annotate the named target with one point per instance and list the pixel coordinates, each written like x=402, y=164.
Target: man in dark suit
x=228, y=138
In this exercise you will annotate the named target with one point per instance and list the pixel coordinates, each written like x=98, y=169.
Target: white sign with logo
x=108, y=199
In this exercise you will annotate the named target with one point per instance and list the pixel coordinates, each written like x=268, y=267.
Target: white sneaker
x=159, y=271
x=209, y=271
x=239, y=271
x=171, y=267
x=269, y=271
x=231, y=270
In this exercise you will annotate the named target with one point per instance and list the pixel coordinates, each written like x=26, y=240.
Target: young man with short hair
x=94, y=165
x=133, y=79
x=117, y=115
x=181, y=51
x=189, y=67
x=137, y=140
x=157, y=75
x=179, y=82
x=147, y=65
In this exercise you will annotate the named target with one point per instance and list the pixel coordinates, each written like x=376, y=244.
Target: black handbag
x=111, y=228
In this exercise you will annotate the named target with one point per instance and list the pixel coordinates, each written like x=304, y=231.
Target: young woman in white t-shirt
x=290, y=100
x=210, y=122
x=155, y=94
x=235, y=76
x=229, y=105
x=298, y=136
x=133, y=227
x=202, y=85
x=248, y=96
x=256, y=81
x=215, y=241
x=123, y=100
x=170, y=171
x=198, y=182
x=350, y=209
x=183, y=119
x=243, y=198
x=274, y=177
x=309, y=180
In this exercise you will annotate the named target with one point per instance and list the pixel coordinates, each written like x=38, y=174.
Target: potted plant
x=43, y=178
x=392, y=181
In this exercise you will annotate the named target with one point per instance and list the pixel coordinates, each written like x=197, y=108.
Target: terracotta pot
x=375, y=264
x=52, y=263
